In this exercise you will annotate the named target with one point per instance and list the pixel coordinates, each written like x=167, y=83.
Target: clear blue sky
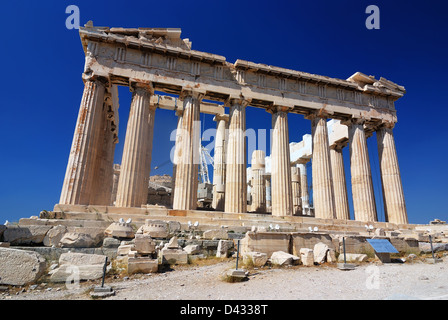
x=42, y=62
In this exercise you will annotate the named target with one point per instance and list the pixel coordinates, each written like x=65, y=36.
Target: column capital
x=188, y=92
x=135, y=86
x=94, y=78
x=237, y=100
x=220, y=117
x=386, y=124
x=303, y=161
x=351, y=121
x=339, y=145
x=179, y=112
x=274, y=109
x=320, y=113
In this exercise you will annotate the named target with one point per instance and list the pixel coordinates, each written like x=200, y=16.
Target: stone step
x=215, y=219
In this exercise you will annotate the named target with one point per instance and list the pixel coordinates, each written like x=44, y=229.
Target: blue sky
x=41, y=84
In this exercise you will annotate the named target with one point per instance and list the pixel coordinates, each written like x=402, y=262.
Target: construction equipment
x=205, y=189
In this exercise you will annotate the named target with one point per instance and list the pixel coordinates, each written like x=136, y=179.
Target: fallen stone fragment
x=20, y=267
x=320, y=252
x=216, y=234
x=119, y=230
x=76, y=240
x=353, y=257
x=257, y=259
x=223, y=248
x=142, y=265
x=54, y=236
x=307, y=257
x=283, y=258
x=26, y=235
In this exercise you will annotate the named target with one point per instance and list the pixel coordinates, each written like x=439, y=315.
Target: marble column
x=187, y=154
x=323, y=193
x=339, y=183
x=219, y=168
x=236, y=184
x=179, y=114
x=115, y=179
x=78, y=181
x=394, y=204
x=296, y=192
x=305, y=198
x=132, y=190
x=268, y=193
x=103, y=179
x=362, y=186
x=281, y=188
x=258, y=181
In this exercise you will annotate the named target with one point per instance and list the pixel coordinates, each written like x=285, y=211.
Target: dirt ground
x=369, y=281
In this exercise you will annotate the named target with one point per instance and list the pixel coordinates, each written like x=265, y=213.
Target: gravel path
x=368, y=281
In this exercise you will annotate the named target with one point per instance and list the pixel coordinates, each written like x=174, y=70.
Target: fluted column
x=268, y=192
x=296, y=192
x=394, y=204
x=362, y=186
x=323, y=193
x=258, y=181
x=281, y=189
x=305, y=198
x=339, y=183
x=236, y=185
x=187, y=154
x=103, y=179
x=132, y=190
x=115, y=179
x=78, y=180
x=179, y=114
x=219, y=168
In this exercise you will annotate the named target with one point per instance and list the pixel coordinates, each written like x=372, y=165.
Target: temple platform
x=238, y=222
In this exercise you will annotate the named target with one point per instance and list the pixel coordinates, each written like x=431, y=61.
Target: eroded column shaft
x=104, y=170
x=132, y=190
x=339, y=184
x=258, y=181
x=281, y=188
x=179, y=114
x=394, y=203
x=187, y=155
x=296, y=191
x=236, y=185
x=323, y=194
x=362, y=186
x=78, y=181
x=219, y=170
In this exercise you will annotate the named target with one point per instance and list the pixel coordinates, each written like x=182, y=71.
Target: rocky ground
x=410, y=280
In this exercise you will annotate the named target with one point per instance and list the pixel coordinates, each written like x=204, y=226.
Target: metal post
x=104, y=272
x=432, y=249
x=343, y=245
x=237, y=253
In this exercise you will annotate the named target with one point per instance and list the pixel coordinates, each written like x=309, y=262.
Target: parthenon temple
x=342, y=113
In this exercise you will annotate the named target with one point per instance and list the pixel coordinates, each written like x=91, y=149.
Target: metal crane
x=203, y=170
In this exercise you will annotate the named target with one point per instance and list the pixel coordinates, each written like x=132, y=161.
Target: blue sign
x=382, y=246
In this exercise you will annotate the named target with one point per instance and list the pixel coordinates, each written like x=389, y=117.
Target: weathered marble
x=281, y=189
x=77, y=187
x=258, y=181
x=339, y=183
x=187, y=154
x=323, y=192
x=236, y=185
x=362, y=186
x=135, y=165
x=394, y=204
x=219, y=169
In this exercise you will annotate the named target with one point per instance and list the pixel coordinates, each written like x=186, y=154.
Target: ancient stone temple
x=149, y=60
